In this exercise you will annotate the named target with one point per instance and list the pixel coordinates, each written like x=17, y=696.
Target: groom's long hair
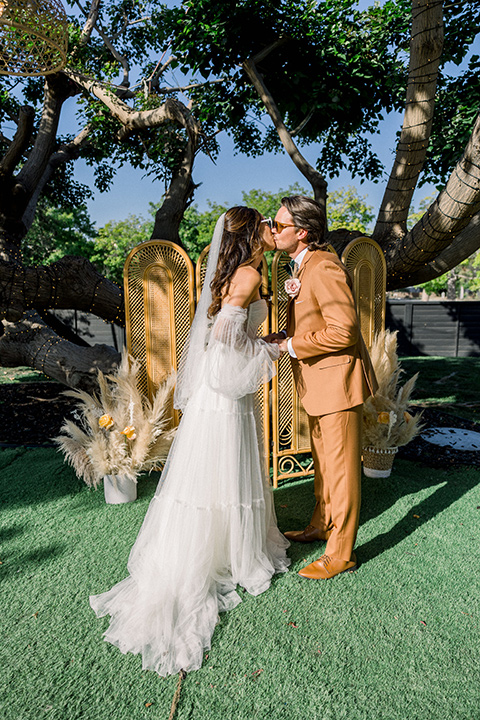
x=241, y=243
x=308, y=215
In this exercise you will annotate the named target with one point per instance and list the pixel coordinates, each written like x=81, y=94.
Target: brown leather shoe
x=327, y=567
x=310, y=534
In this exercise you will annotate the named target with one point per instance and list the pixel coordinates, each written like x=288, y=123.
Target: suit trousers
x=336, y=441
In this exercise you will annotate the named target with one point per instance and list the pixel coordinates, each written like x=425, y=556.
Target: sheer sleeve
x=236, y=364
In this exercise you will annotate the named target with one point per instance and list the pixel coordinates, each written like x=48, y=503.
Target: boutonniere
x=292, y=286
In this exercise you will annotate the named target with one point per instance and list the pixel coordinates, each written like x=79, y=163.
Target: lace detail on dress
x=236, y=361
x=217, y=506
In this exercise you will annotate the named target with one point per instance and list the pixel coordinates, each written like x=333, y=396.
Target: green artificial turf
x=21, y=375
x=449, y=383
x=397, y=640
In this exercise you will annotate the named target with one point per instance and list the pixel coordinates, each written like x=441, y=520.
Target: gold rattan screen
x=200, y=270
x=290, y=432
x=159, y=307
x=33, y=37
x=365, y=260
x=159, y=300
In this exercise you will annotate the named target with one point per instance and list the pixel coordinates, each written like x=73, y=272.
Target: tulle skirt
x=210, y=527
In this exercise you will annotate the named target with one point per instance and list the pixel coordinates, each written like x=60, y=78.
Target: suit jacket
x=333, y=370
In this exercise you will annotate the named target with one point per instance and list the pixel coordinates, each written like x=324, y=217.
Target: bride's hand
x=273, y=338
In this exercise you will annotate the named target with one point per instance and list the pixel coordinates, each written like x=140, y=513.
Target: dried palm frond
x=120, y=432
x=386, y=420
x=76, y=456
x=106, y=396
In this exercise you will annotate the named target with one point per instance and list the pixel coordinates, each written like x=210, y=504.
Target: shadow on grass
x=411, y=479
x=7, y=533
x=40, y=557
x=295, y=503
x=29, y=476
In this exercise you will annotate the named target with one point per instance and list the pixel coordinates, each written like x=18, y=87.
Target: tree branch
x=65, y=153
x=425, y=52
x=465, y=244
x=129, y=23
x=166, y=90
x=136, y=120
x=33, y=343
x=90, y=23
x=94, y=23
x=266, y=51
x=449, y=215
x=26, y=117
x=305, y=120
x=72, y=282
x=317, y=180
x=57, y=89
x=154, y=78
x=121, y=59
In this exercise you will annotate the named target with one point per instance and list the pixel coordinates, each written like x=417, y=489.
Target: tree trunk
x=452, y=285
x=32, y=343
x=71, y=282
x=178, y=196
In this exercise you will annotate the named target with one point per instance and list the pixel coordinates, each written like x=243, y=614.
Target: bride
x=211, y=525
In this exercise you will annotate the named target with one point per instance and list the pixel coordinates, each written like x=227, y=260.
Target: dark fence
x=437, y=327
x=90, y=328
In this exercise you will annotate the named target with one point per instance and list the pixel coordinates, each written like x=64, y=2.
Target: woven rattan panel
x=290, y=432
x=365, y=260
x=33, y=37
x=159, y=309
x=200, y=271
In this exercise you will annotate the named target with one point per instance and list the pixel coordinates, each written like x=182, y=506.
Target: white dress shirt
x=298, y=259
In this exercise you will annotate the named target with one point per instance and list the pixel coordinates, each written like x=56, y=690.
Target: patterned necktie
x=293, y=268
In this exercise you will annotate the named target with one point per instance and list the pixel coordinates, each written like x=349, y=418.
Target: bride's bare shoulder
x=246, y=275
x=243, y=286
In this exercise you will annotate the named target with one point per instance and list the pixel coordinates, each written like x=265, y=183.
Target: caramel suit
x=333, y=375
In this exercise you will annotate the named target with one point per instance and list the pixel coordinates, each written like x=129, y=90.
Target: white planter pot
x=119, y=489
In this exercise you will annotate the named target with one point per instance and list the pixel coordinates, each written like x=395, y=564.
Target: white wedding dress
x=211, y=525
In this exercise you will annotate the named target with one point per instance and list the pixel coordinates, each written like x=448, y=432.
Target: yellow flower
x=384, y=418
x=407, y=417
x=106, y=421
x=129, y=432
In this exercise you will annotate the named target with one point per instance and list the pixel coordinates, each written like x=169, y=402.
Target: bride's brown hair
x=241, y=243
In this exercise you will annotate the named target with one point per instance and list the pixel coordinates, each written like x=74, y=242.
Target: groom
x=333, y=375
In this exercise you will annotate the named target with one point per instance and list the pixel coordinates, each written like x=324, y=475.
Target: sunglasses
x=276, y=226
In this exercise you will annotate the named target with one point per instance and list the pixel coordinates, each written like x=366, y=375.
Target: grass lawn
x=21, y=375
x=452, y=384
x=397, y=640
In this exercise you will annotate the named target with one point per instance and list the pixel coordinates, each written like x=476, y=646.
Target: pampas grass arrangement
x=386, y=420
x=119, y=432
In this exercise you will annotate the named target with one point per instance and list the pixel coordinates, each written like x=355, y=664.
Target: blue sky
x=225, y=180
